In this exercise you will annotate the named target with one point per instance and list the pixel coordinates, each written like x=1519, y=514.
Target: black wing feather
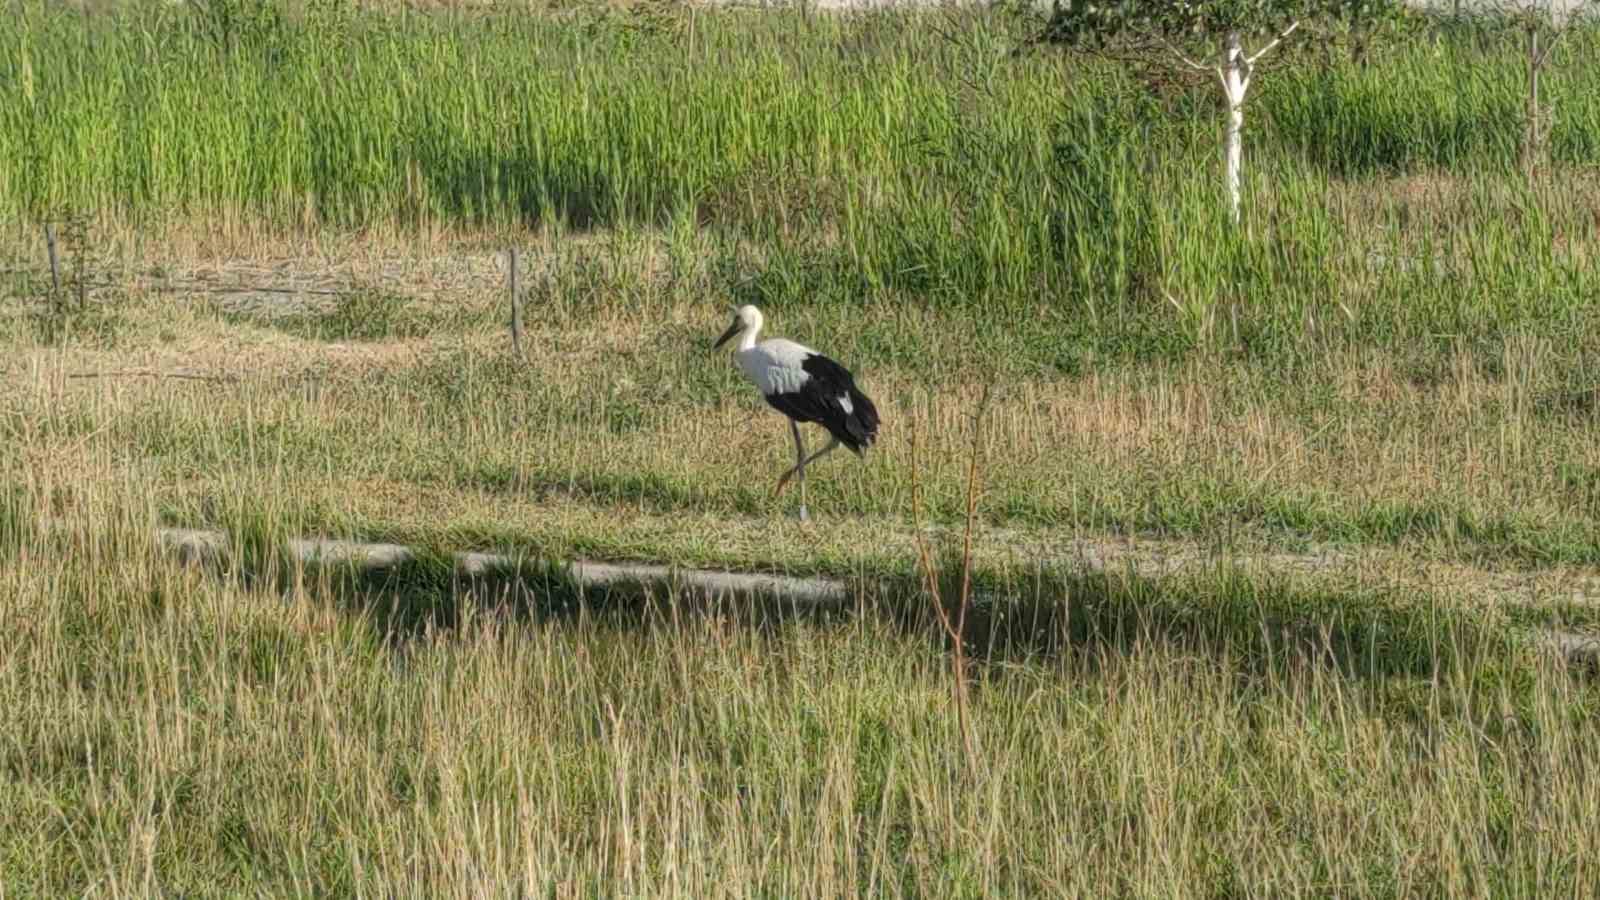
x=822, y=400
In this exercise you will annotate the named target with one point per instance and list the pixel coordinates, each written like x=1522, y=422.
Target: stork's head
x=745, y=319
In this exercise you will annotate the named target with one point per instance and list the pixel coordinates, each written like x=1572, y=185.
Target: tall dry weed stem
x=954, y=626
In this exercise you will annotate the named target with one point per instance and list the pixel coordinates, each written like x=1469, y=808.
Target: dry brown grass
x=167, y=732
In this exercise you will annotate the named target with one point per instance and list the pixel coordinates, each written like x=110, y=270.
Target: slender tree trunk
x=1235, y=80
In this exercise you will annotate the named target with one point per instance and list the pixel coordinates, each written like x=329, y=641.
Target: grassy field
x=1269, y=520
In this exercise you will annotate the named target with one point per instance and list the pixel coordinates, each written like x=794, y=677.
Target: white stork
x=805, y=386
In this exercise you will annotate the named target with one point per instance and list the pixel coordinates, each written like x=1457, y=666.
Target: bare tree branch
x=1173, y=49
x=1251, y=59
x=1544, y=54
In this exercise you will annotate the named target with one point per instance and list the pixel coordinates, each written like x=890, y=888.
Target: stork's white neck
x=747, y=337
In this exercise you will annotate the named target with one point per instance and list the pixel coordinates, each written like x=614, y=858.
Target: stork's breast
x=772, y=376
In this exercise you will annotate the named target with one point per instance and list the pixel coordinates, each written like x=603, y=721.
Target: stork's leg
x=832, y=445
x=799, y=467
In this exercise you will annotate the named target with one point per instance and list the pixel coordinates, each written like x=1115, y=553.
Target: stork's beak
x=732, y=330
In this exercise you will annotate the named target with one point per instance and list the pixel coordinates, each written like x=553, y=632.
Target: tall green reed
x=889, y=155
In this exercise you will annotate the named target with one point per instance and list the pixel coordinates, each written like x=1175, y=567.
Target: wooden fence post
x=516, y=306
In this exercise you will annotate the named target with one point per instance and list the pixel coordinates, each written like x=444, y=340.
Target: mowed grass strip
x=391, y=408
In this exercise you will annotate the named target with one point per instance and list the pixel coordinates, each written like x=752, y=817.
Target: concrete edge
x=191, y=545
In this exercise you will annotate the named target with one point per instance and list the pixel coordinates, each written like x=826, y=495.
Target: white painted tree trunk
x=1235, y=81
x=1234, y=74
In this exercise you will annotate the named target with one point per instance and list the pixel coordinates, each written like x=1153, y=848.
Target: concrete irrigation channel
x=775, y=595
x=195, y=546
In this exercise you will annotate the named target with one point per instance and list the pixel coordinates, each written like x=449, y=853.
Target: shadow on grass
x=537, y=190
x=362, y=314
x=1258, y=623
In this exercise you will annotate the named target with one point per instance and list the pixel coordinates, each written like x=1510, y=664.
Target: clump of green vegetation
x=873, y=154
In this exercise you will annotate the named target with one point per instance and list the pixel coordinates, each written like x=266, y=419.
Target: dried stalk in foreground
x=955, y=628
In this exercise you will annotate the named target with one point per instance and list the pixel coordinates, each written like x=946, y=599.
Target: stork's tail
x=861, y=425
